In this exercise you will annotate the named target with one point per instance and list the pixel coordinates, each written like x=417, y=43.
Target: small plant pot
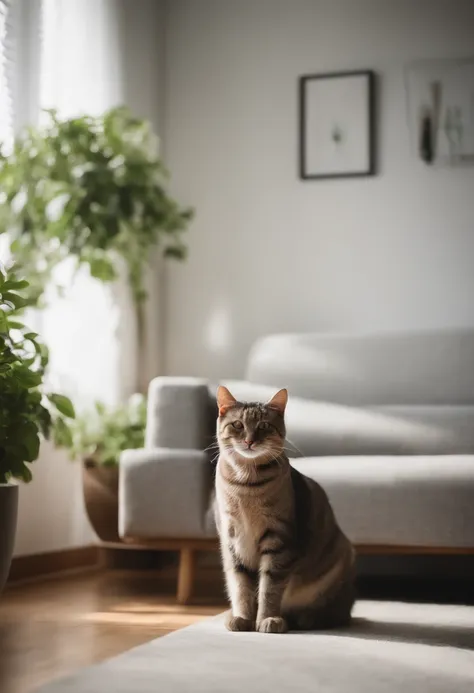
x=8, y=519
x=100, y=486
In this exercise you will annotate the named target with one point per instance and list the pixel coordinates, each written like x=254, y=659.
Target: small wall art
x=440, y=98
x=337, y=125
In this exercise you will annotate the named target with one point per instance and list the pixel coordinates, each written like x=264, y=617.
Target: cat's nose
x=249, y=443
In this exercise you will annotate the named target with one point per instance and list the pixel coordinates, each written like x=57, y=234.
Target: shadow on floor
x=419, y=590
x=459, y=636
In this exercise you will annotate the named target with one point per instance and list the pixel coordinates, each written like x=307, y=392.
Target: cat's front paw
x=273, y=624
x=237, y=623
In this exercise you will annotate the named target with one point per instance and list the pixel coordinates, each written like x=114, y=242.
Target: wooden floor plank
x=52, y=628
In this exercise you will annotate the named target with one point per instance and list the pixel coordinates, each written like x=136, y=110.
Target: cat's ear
x=279, y=401
x=224, y=400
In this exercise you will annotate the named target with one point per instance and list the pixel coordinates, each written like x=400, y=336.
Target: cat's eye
x=238, y=425
x=264, y=426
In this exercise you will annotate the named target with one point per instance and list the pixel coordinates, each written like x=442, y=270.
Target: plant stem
x=142, y=384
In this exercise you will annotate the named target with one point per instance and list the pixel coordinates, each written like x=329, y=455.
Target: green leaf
x=12, y=285
x=31, y=441
x=100, y=408
x=26, y=377
x=19, y=471
x=35, y=397
x=3, y=322
x=28, y=362
x=102, y=269
x=63, y=405
x=44, y=421
x=43, y=351
x=62, y=434
x=16, y=300
x=15, y=325
x=26, y=475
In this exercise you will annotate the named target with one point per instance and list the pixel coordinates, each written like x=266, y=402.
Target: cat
x=287, y=563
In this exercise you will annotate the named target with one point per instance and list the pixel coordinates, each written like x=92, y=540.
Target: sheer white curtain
x=7, y=47
x=81, y=57
x=19, y=64
x=6, y=60
x=19, y=79
x=91, y=354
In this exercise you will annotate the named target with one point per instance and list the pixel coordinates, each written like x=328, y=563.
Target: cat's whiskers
x=296, y=448
x=213, y=446
x=215, y=458
x=274, y=456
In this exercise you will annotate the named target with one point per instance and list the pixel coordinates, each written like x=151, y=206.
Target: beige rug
x=391, y=648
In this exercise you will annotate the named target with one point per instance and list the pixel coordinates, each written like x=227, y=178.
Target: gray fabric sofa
x=385, y=422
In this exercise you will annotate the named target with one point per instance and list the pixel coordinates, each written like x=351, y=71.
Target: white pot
x=8, y=518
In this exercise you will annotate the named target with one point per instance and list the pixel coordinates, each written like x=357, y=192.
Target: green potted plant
x=26, y=413
x=98, y=438
x=91, y=189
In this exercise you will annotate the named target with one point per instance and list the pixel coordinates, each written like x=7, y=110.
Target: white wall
x=111, y=53
x=269, y=252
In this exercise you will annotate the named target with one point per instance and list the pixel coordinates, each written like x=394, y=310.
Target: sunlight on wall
x=218, y=331
x=51, y=513
x=81, y=329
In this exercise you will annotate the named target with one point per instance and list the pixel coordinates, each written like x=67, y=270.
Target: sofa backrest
x=388, y=369
x=385, y=394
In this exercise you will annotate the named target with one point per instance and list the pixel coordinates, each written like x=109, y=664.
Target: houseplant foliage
x=26, y=412
x=94, y=191
x=90, y=188
x=98, y=437
x=101, y=435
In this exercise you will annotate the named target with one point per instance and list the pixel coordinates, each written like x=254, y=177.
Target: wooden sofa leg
x=187, y=565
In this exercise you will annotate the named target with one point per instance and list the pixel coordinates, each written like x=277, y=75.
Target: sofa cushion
x=424, y=501
x=401, y=501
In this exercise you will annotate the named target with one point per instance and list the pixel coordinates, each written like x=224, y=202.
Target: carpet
x=390, y=647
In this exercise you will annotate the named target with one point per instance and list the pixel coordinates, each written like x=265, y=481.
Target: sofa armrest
x=164, y=493
x=180, y=412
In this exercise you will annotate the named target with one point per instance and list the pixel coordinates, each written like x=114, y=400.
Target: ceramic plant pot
x=100, y=487
x=8, y=518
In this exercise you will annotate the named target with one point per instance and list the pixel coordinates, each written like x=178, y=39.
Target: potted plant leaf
x=26, y=413
x=97, y=438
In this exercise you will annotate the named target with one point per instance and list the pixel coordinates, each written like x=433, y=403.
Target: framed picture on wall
x=337, y=125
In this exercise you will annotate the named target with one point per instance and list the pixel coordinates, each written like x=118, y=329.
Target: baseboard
x=401, y=550
x=53, y=562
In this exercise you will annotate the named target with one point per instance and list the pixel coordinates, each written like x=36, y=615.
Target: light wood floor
x=53, y=628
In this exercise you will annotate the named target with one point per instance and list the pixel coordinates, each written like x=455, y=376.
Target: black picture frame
x=303, y=82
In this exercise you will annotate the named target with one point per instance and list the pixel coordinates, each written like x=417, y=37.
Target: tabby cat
x=287, y=563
